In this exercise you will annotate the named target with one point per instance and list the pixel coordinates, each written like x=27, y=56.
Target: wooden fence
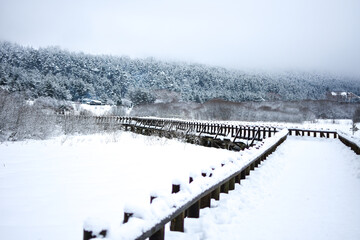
x=209, y=134
x=206, y=134
x=191, y=208
x=346, y=140
x=313, y=133
x=327, y=134
x=231, y=137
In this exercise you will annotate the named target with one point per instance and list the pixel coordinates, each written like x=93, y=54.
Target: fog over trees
x=56, y=73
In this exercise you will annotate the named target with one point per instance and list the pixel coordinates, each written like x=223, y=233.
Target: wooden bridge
x=204, y=133
x=209, y=134
x=231, y=137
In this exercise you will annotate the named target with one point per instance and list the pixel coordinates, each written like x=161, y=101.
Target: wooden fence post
x=232, y=183
x=206, y=200
x=225, y=188
x=89, y=234
x=252, y=166
x=175, y=188
x=238, y=178
x=177, y=224
x=216, y=194
x=257, y=162
x=194, y=210
x=127, y=216
x=243, y=174
x=248, y=170
x=158, y=235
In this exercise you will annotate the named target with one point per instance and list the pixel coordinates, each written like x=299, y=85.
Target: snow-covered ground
x=97, y=110
x=101, y=110
x=308, y=189
x=48, y=188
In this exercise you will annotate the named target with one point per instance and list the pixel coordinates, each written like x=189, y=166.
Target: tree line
x=63, y=75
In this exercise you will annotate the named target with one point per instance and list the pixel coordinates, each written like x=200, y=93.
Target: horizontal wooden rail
x=346, y=140
x=313, y=133
x=326, y=134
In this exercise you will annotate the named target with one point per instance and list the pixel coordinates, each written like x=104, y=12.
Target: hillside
x=53, y=72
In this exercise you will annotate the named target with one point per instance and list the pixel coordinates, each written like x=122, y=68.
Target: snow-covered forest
x=38, y=83
x=56, y=73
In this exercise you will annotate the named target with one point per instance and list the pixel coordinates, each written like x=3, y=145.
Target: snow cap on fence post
x=191, y=179
x=130, y=210
x=177, y=224
x=95, y=228
x=176, y=185
x=206, y=172
x=153, y=195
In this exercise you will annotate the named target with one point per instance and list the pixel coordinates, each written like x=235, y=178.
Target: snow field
x=49, y=188
x=309, y=188
x=135, y=227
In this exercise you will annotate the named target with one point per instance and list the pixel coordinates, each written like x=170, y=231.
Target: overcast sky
x=241, y=34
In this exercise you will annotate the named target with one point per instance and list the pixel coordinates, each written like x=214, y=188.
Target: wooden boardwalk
x=231, y=137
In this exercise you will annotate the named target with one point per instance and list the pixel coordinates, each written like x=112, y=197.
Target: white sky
x=242, y=34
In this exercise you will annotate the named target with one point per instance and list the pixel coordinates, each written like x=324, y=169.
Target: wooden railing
x=350, y=143
x=209, y=134
x=327, y=134
x=313, y=133
x=198, y=201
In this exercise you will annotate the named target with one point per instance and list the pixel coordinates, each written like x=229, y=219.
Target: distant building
x=91, y=101
x=86, y=100
x=126, y=102
x=342, y=96
x=95, y=102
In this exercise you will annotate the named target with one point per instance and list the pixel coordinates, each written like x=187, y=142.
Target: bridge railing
x=211, y=130
x=187, y=203
x=313, y=133
x=216, y=130
x=351, y=142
